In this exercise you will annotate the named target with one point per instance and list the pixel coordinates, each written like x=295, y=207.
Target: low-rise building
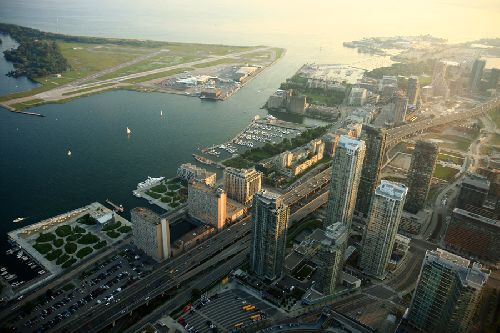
x=192, y=238
x=473, y=235
x=357, y=97
x=190, y=172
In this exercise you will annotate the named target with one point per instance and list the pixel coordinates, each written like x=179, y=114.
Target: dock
x=115, y=207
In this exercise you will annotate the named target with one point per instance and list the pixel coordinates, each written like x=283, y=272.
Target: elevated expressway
x=395, y=135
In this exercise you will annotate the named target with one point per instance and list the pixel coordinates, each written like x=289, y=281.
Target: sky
x=456, y=20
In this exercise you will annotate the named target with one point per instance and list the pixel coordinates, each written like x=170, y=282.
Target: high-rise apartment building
x=375, y=140
x=439, y=83
x=270, y=219
x=413, y=91
x=346, y=174
x=400, y=106
x=476, y=75
x=382, y=227
x=151, y=233
x=447, y=294
x=423, y=163
x=207, y=204
x=241, y=184
x=331, y=255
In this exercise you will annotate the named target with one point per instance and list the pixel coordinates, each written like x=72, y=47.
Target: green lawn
x=445, y=173
x=217, y=62
x=450, y=157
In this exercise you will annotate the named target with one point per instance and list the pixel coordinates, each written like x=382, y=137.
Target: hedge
x=84, y=252
x=78, y=230
x=74, y=237
x=100, y=245
x=70, y=247
x=69, y=263
x=58, y=242
x=43, y=248
x=43, y=238
x=88, y=239
x=63, y=231
x=54, y=254
x=125, y=229
x=62, y=259
x=113, y=234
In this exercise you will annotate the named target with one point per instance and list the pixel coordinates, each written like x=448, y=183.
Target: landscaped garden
x=66, y=244
x=171, y=192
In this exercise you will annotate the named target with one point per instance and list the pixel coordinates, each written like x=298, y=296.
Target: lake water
x=39, y=180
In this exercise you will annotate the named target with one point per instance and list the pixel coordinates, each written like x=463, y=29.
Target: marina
x=258, y=133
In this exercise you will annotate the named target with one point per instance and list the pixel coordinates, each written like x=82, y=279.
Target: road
x=398, y=133
x=72, y=91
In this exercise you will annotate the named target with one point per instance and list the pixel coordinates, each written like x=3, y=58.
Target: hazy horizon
x=259, y=22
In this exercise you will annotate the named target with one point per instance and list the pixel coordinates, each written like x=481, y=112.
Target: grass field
x=445, y=173
x=86, y=59
x=450, y=157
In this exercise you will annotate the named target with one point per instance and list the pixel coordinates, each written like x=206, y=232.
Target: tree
x=196, y=293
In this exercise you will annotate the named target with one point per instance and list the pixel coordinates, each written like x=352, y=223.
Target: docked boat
x=10, y=277
x=24, y=258
x=149, y=182
x=41, y=272
x=19, y=219
x=4, y=273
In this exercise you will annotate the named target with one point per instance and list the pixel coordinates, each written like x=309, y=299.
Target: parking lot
x=100, y=284
x=225, y=312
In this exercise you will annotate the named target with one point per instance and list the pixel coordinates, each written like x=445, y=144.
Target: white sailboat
x=129, y=131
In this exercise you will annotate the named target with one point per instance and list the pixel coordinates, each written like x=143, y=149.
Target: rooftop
x=146, y=215
x=391, y=190
x=477, y=181
x=480, y=218
x=350, y=144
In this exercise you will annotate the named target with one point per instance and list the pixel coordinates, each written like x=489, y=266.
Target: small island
x=68, y=67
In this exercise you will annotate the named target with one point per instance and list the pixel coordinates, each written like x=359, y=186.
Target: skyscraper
x=331, y=255
x=267, y=252
x=346, y=173
x=400, y=106
x=423, y=163
x=439, y=84
x=207, y=204
x=476, y=75
x=382, y=227
x=241, y=184
x=493, y=79
x=413, y=91
x=151, y=233
x=375, y=140
x=447, y=294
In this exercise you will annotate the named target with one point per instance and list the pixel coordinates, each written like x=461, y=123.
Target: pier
x=115, y=207
x=11, y=109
